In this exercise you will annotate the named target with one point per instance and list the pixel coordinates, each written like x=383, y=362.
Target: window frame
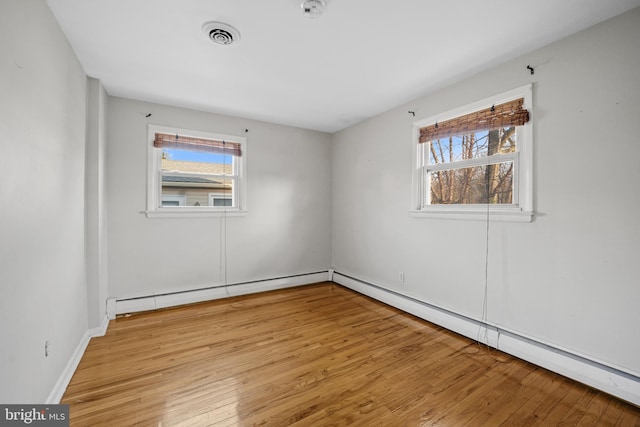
x=154, y=178
x=522, y=208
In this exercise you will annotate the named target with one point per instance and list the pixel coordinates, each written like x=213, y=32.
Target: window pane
x=471, y=146
x=194, y=175
x=217, y=201
x=198, y=162
x=491, y=184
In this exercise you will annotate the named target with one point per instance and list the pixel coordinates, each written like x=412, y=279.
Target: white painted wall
x=43, y=293
x=286, y=229
x=570, y=278
x=96, y=202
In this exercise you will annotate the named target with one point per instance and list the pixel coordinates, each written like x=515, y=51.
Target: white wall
x=286, y=229
x=42, y=133
x=96, y=202
x=570, y=278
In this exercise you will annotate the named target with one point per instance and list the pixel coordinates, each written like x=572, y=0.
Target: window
x=476, y=160
x=173, y=200
x=193, y=173
x=220, y=199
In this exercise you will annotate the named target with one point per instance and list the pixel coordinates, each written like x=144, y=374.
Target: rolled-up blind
x=498, y=116
x=179, y=142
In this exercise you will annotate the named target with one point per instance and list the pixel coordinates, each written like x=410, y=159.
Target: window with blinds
x=476, y=157
x=194, y=171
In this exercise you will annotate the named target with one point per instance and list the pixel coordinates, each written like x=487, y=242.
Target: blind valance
x=503, y=115
x=163, y=140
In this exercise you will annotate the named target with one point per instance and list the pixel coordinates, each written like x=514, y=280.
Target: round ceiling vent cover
x=312, y=8
x=221, y=33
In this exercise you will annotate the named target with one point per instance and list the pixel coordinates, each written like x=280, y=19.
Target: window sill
x=474, y=214
x=193, y=213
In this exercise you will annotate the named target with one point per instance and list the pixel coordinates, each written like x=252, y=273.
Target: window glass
x=474, y=185
x=449, y=178
x=194, y=175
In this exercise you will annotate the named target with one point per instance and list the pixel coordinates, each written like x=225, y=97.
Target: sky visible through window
x=451, y=150
x=197, y=156
x=470, y=146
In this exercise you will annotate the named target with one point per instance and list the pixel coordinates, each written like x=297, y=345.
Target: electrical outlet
x=47, y=348
x=402, y=276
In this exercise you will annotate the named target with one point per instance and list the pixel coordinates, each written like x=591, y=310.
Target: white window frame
x=154, y=178
x=522, y=208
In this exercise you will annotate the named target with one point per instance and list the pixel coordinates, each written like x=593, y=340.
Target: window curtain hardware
x=163, y=140
x=497, y=116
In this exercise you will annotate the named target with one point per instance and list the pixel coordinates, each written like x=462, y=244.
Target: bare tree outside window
x=490, y=183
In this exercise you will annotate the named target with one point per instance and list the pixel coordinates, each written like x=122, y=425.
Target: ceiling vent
x=312, y=8
x=221, y=33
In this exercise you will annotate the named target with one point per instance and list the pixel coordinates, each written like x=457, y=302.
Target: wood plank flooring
x=318, y=355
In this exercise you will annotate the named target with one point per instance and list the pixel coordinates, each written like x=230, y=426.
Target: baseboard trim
x=163, y=300
x=156, y=301
x=623, y=385
x=101, y=330
x=67, y=373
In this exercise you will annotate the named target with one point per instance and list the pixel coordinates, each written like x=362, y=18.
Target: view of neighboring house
x=189, y=183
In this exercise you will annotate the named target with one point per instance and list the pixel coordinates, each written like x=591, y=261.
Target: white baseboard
x=65, y=377
x=153, y=302
x=623, y=385
x=117, y=306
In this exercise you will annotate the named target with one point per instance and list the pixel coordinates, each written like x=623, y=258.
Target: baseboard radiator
x=624, y=385
x=159, y=300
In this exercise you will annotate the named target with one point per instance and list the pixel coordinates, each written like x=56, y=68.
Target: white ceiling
x=362, y=57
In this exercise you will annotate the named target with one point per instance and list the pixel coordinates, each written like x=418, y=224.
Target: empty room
x=319, y=212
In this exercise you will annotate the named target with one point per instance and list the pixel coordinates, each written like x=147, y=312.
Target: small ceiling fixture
x=221, y=33
x=312, y=8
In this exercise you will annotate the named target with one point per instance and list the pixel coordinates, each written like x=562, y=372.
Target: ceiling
x=360, y=58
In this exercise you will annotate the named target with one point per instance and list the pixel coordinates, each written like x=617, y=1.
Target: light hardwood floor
x=318, y=355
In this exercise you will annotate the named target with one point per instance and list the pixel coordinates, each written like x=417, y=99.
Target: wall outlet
x=47, y=348
x=402, y=277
